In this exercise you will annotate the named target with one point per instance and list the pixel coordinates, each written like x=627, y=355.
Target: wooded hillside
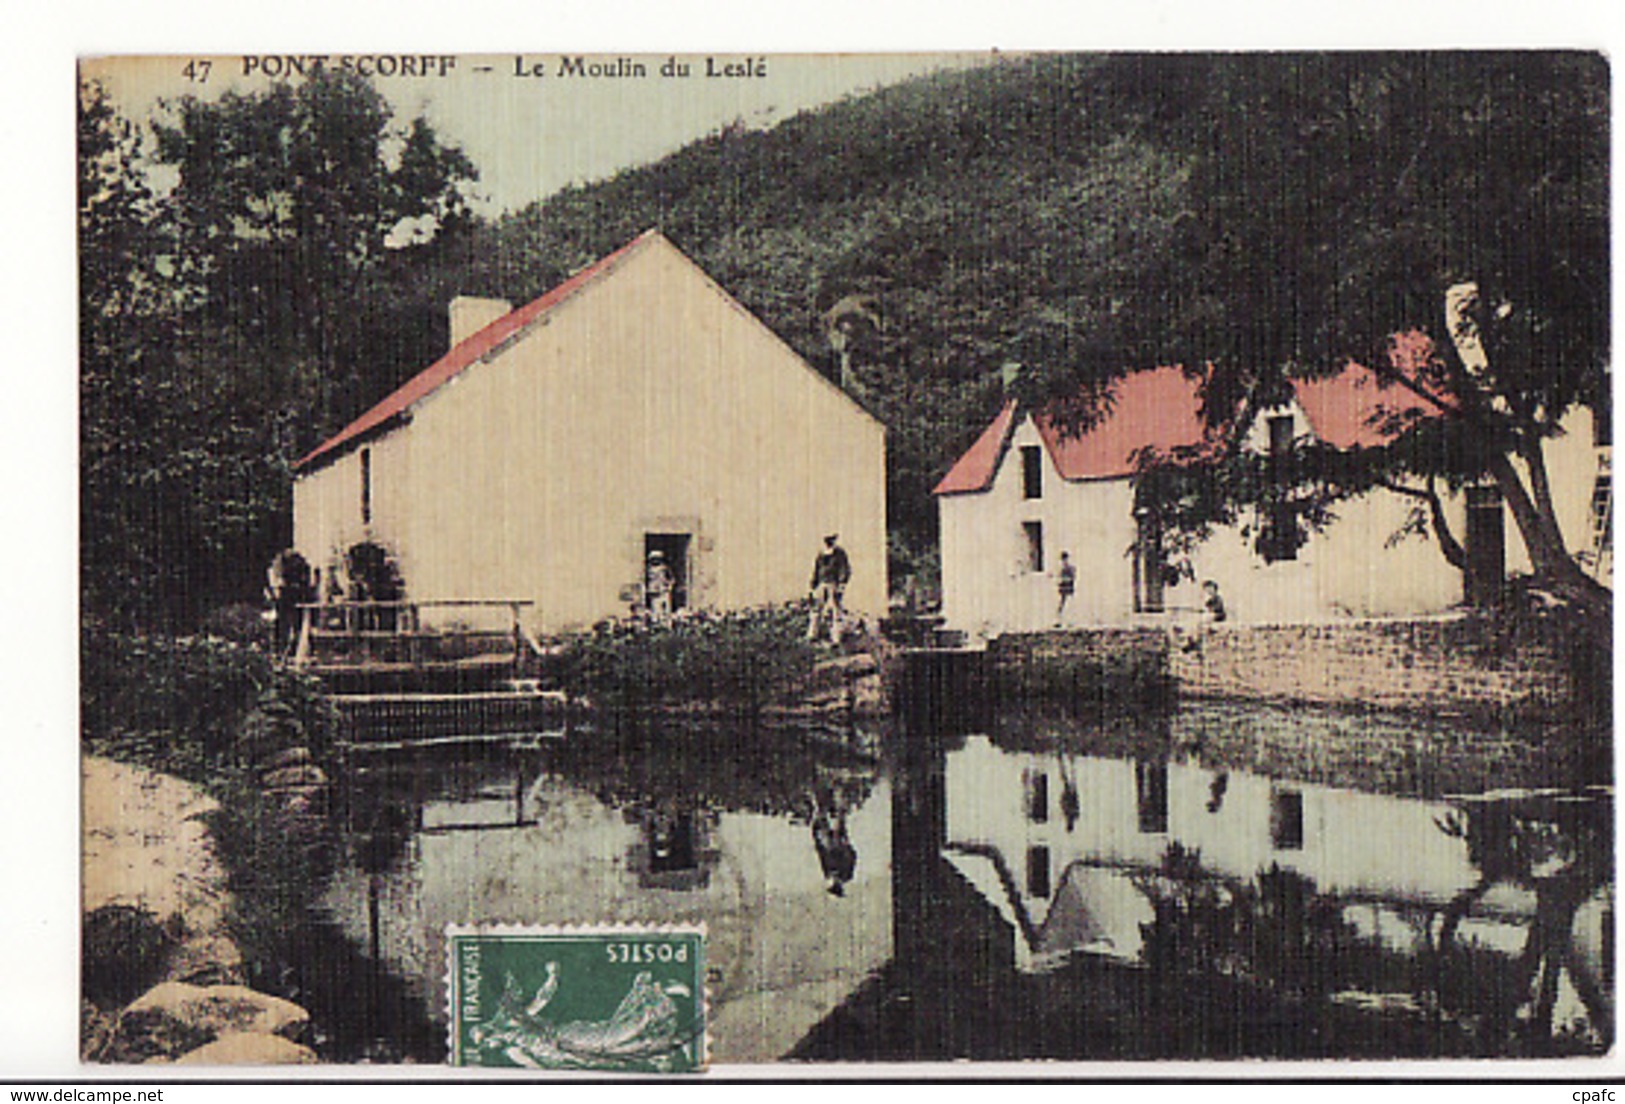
x=1078, y=215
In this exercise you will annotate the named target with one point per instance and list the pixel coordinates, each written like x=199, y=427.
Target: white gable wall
x=1347, y=570
x=649, y=402
x=987, y=585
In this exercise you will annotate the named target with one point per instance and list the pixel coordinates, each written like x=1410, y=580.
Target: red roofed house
x=1024, y=493
x=635, y=408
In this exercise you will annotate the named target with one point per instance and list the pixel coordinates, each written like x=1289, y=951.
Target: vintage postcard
x=667, y=562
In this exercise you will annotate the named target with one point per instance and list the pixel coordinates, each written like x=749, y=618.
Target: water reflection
x=780, y=851
x=1464, y=914
x=1210, y=882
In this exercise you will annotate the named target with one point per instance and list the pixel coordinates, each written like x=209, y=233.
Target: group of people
x=832, y=570
x=366, y=574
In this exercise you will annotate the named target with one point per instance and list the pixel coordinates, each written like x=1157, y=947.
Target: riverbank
x=1498, y=668
x=163, y=976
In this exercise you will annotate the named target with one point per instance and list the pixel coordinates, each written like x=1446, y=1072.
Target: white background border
x=39, y=798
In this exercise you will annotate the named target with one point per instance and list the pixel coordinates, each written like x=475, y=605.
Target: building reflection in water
x=1309, y=889
x=1079, y=892
x=909, y=912
x=788, y=872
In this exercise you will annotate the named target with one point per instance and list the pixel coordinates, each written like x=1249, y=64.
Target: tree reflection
x=1560, y=846
x=1275, y=932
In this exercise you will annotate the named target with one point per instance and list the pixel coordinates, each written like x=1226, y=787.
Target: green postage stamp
x=605, y=997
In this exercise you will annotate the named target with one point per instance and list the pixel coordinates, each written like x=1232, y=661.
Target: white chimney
x=470, y=314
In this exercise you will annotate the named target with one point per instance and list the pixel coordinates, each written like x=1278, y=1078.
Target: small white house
x=1024, y=493
x=636, y=408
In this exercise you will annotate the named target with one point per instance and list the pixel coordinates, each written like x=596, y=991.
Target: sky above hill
x=584, y=117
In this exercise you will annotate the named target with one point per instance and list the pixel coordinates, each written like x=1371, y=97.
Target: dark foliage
x=743, y=659
x=195, y=707
x=122, y=952
x=231, y=322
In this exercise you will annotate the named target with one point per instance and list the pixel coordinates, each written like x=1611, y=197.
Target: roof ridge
x=1345, y=410
x=475, y=348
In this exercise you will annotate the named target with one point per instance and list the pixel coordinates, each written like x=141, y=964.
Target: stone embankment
x=1440, y=665
x=162, y=977
x=1443, y=665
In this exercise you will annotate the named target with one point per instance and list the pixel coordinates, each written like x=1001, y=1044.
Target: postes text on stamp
x=620, y=997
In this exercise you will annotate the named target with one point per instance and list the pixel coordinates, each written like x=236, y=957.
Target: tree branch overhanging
x=1449, y=546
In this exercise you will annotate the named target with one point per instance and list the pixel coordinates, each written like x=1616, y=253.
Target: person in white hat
x=658, y=583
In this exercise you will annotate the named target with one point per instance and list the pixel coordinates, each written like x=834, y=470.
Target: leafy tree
x=230, y=322
x=296, y=211
x=126, y=316
x=1336, y=201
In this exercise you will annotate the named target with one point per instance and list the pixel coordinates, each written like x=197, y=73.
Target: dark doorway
x=1151, y=795
x=1034, y=533
x=1486, y=546
x=674, y=547
x=670, y=836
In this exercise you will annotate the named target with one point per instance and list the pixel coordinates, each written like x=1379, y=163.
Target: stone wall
x=1453, y=665
x=1449, y=665
x=1086, y=645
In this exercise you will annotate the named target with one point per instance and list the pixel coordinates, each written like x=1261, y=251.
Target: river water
x=1217, y=880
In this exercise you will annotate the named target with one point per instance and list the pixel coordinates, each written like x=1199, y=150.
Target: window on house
x=1280, y=434
x=1034, y=532
x=1037, y=796
x=1602, y=516
x=1032, y=471
x=1286, y=820
x=1038, y=872
x=1279, y=539
x=1150, y=565
x=366, y=486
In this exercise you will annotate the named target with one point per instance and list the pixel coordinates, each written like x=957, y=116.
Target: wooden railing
x=393, y=632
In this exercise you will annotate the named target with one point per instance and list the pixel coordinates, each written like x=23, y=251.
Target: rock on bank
x=161, y=976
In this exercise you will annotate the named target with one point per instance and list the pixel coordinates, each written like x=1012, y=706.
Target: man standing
x=831, y=571
x=1066, y=581
x=836, y=856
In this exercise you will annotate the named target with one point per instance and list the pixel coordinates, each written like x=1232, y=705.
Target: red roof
x=974, y=470
x=468, y=352
x=1349, y=410
x=1152, y=409
x=1157, y=409
x=1161, y=409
